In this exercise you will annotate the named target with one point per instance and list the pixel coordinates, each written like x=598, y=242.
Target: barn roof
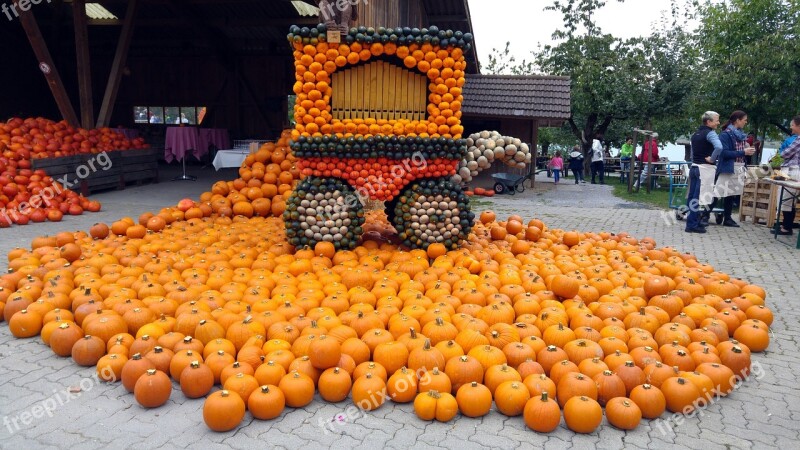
x=541, y=97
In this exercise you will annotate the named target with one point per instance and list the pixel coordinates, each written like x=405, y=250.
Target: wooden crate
x=101, y=178
x=57, y=168
x=757, y=203
x=140, y=165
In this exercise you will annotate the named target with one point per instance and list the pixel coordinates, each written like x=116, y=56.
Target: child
x=557, y=164
x=576, y=164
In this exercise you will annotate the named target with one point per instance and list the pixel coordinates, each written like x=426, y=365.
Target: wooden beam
x=47, y=66
x=120, y=58
x=84, y=63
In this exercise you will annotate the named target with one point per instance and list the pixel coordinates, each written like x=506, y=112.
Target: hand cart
x=678, y=174
x=509, y=183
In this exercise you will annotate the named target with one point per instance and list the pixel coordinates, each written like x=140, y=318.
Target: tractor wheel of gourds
x=432, y=211
x=324, y=209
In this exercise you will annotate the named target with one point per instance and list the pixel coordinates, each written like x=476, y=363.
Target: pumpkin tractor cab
x=378, y=117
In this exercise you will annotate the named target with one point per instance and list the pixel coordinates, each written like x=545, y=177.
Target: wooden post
x=47, y=66
x=84, y=64
x=632, y=168
x=649, y=165
x=120, y=58
x=535, y=148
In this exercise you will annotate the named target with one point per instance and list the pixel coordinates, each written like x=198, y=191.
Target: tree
x=752, y=59
x=616, y=84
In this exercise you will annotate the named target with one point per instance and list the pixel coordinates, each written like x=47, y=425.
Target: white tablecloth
x=230, y=158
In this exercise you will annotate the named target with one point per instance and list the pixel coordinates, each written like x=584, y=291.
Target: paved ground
x=763, y=413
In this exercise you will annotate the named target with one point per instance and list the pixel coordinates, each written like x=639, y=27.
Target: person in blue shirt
x=790, y=139
x=790, y=166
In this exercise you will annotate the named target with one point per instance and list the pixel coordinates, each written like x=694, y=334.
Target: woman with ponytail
x=730, y=164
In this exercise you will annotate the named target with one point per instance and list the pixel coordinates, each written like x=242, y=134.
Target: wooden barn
x=145, y=64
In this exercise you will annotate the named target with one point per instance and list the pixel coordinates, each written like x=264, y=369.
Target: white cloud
x=526, y=25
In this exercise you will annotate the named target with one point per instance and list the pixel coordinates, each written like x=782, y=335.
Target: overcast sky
x=526, y=25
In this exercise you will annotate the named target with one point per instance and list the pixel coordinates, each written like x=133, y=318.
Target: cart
x=509, y=183
x=678, y=174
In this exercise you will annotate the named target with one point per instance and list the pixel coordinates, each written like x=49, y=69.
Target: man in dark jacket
x=704, y=142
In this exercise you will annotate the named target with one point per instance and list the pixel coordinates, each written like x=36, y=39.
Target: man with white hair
x=704, y=142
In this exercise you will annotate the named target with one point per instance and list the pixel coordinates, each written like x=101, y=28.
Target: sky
x=495, y=23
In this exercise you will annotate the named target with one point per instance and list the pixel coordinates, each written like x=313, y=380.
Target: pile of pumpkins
x=32, y=196
x=486, y=147
x=522, y=318
x=28, y=195
x=32, y=138
x=266, y=179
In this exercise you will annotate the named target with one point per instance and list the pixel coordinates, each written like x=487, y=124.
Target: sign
x=44, y=68
x=334, y=37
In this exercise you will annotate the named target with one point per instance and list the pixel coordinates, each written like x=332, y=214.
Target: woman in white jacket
x=597, y=159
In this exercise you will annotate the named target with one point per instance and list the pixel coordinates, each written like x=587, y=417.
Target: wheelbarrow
x=509, y=183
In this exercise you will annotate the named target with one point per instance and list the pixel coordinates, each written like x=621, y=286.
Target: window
x=169, y=115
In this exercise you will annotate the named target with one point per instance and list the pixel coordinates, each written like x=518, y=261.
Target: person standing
x=576, y=164
x=791, y=166
x=786, y=143
x=557, y=164
x=648, y=156
x=625, y=155
x=597, y=159
x=704, y=142
x=730, y=164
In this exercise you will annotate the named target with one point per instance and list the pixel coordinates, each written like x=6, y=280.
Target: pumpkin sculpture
x=403, y=153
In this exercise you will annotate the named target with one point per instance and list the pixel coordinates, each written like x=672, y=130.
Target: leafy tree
x=616, y=84
x=752, y=59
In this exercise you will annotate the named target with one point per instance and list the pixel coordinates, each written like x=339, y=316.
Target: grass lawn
x=658, y=197
x=478, y=203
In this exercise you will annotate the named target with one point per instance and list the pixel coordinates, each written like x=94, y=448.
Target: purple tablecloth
x=180, y=140
x=216, y=136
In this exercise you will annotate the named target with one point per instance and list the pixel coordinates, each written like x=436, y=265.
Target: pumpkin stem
x=427, y=345
x=544, y=396
x=151, y=372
